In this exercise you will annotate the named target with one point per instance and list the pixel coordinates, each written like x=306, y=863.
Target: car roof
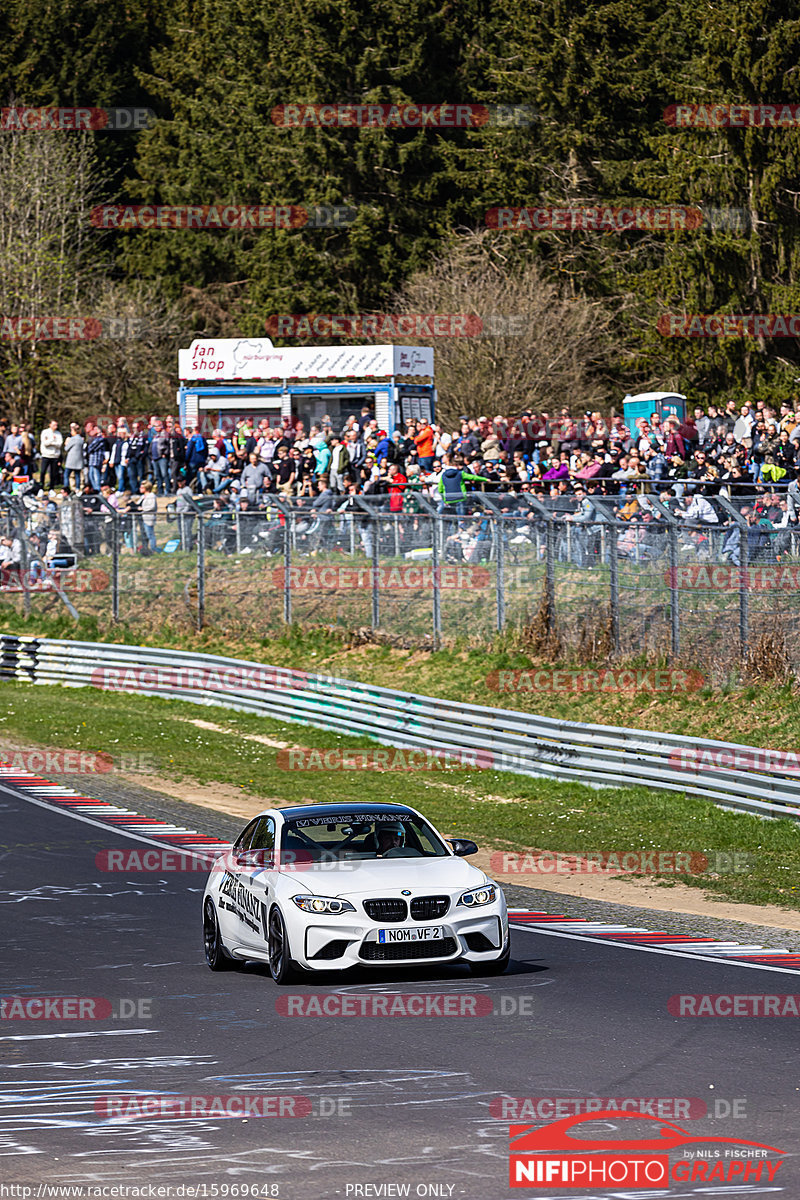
x=320, y=810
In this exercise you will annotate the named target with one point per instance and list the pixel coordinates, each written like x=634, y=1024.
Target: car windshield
x=364, y=835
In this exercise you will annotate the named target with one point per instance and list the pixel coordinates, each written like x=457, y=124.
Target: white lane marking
x=97, y=824
x=720, y=962
x=42, y=1037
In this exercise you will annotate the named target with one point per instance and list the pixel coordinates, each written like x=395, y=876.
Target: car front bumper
x=337, y=943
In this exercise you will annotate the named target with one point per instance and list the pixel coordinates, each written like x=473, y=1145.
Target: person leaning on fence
x=10, y=561
x=453, y=488
x=585, y=516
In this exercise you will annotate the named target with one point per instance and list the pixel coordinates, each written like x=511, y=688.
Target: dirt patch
x=636, y=892
x=244, y=737
x=642, y=893
x=219, y=797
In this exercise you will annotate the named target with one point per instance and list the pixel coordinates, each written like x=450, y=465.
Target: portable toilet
x=666, y=404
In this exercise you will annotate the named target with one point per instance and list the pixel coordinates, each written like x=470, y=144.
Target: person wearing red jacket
x=395, y=486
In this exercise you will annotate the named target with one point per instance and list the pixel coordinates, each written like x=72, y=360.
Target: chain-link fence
x=596, y=580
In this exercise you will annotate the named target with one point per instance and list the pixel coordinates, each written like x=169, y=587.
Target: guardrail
x=757, y=781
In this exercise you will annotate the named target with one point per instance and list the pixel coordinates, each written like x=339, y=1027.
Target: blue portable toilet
x=666, y=404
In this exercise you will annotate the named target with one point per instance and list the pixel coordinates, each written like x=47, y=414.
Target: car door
x=231, y=887
x=255, y=864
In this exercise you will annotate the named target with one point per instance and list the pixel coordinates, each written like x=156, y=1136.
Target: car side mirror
x=254, y=858
x=463, y=846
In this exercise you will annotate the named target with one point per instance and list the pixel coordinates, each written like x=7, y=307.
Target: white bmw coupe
x=331, y=886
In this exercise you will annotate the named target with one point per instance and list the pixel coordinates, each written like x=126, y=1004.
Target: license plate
x=430, y=933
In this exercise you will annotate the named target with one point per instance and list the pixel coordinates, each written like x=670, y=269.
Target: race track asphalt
x=394, y=1100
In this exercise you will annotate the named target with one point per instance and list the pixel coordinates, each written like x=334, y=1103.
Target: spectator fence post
x=655, y=505
x=436, y=520
x=744, y=598
x=115, y=524
x=613, y=564
x=396, y=526
x=115, y=519
x=238, y=532
x=674, y=591
x=287, y=566
x=201, y=572
x=376, y=570
x=352, y=526
x=500, y=564
x=550, y=562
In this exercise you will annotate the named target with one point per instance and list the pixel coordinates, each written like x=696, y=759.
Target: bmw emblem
x=405, y=892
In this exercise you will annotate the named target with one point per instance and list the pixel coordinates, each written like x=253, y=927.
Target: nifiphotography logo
x=549, y=1157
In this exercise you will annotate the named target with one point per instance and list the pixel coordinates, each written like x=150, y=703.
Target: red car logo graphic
x=526, y=1139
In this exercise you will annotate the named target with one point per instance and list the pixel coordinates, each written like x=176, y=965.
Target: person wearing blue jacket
x=196, y=459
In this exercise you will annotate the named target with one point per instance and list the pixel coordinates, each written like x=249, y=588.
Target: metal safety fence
x=758, y=781
x=603, y=581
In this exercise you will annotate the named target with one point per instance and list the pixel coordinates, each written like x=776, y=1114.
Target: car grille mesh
x=387, y=909
x=428, y=908
x=396, y=951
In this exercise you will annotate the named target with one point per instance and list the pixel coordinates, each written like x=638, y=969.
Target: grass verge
x=764, y=714
x=497, y=808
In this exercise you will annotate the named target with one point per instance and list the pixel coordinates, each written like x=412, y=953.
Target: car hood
x=390, y=876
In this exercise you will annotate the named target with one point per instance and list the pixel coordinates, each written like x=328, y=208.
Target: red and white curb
x=102, y=813
x=635, y=937
x=155, y=831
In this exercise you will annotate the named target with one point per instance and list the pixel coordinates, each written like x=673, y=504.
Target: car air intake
x=332, y=950
x=478, y=942
x=386, y=910
x=404, y=951
x=428, y=908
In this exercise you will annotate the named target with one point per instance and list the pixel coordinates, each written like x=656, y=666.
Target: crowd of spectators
x=748, y=453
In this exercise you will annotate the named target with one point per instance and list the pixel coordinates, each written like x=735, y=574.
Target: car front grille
x=403, y=951
x=429, y=908
x=387, y=909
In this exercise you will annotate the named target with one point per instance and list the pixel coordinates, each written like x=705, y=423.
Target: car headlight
x=330, y=905
x=478, y=896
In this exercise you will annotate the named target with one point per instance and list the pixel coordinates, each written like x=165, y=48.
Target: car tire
x=493, y=966
x=217, y=957
x=281, y=967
